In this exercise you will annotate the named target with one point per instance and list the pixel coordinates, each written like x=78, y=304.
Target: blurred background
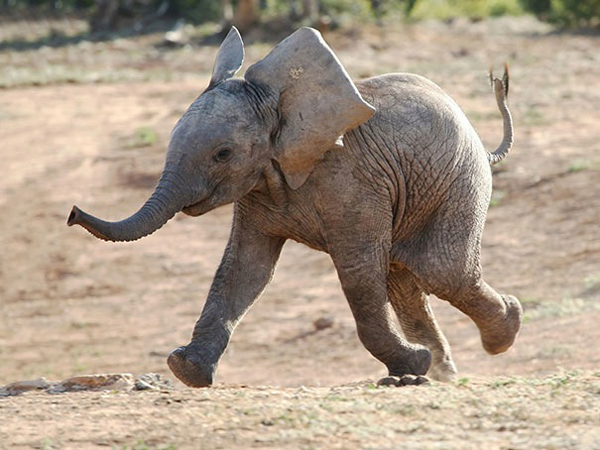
x=112, y=15
x=90, y=90
x=65, y=30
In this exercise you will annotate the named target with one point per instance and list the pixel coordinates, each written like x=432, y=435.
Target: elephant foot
x=498, y=337
x=189, y=368
x=405, y=380
x=444, y=371
x=415, y=362
x=411, y=369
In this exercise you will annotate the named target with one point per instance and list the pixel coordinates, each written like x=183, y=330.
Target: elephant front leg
x=363, y=274
x=246, y=268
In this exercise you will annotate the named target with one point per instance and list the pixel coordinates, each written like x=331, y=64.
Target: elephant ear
x=229, y=58
x=318, y=102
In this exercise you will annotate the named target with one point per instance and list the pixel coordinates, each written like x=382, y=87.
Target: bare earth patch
x=552, y=412
x=73, y=305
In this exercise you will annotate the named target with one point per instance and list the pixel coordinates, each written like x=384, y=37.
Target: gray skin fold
x=163, y=204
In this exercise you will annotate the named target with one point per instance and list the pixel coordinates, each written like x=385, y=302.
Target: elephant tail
x=500, y=87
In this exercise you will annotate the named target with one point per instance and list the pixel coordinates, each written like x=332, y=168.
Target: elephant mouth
x=196, y=209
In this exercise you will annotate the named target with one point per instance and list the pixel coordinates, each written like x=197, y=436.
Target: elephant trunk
x=165, y=201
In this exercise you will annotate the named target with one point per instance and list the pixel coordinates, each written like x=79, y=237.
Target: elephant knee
x=455, y=287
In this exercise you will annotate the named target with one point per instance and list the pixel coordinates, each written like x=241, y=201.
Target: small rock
x=111, y=381
x=416, y=380
x=389, y=381
x=20, y=387
x=152, y=381
x=406, y=380
x=323, y=323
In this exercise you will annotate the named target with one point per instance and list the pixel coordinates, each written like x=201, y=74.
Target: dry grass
x=534, y=413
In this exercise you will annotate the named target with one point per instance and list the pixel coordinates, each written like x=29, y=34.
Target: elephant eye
x=222, y=155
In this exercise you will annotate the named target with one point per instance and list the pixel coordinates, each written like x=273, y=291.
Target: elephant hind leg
x=411, y=305
x=446, y=261
x=498, y=317
x=363, y=277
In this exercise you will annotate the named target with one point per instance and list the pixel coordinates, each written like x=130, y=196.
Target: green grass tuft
x=474, y=9
x=143, y=137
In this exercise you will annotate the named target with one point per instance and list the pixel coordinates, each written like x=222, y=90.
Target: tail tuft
x=505, y=79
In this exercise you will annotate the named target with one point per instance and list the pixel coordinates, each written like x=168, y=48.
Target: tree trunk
x=310, y=10
x=247, y=14
x=227, y=15
x=105, y=15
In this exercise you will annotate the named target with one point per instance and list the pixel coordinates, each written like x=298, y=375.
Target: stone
x=152, y=381
x=20, y=387
x=323, y=323
x=101, y=382
x=389, y=381
x=406, y=380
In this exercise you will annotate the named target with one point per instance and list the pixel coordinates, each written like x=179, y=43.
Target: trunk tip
x=74, y=216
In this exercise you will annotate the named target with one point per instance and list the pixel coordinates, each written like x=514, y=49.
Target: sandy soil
x=72, y=304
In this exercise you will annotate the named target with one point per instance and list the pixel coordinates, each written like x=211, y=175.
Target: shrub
x=576, y=13
x=540, y=8
x=446, y=9
x=566, y=13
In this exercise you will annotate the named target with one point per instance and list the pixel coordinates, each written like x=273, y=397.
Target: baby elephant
x=386, y=175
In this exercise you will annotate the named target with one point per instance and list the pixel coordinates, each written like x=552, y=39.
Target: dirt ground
x=88, y=123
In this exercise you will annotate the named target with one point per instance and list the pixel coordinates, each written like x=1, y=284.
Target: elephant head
x=291, y=107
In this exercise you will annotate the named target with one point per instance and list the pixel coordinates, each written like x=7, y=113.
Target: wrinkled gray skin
x=399, y=203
